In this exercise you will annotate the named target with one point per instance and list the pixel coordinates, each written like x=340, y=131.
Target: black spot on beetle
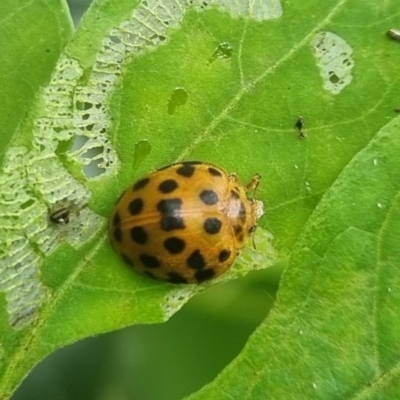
x=170, y=207
x=174, y=245
x=174, y=277
x=116, y=219
x=171, y=223
x=196, y=260
x=209, y=197
x=141, y=184
x=135, y=206
x=117, y=234
x=212, y=225
x=204, y=274
x=186, y=170
x=170, y=214
x=168, y=186
x=149, y=261
x=214, y=171
x=139, y=235
x=224, y=255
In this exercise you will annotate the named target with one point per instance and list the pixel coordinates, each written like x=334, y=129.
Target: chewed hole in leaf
x=223, y=51
x=178, y=98
x=93, y=169
x=334, y=60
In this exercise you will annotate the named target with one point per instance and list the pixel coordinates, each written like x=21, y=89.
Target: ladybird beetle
x=184, y=223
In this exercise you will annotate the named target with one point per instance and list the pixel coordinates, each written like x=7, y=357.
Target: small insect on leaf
x=60, y=216
x=299, y=127
x=254, y=183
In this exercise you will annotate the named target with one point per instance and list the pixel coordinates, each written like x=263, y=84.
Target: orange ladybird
x=184, y=223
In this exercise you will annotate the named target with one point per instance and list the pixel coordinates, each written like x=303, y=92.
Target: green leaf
x=32, y=37
x=334, y=333
x=142, y=85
